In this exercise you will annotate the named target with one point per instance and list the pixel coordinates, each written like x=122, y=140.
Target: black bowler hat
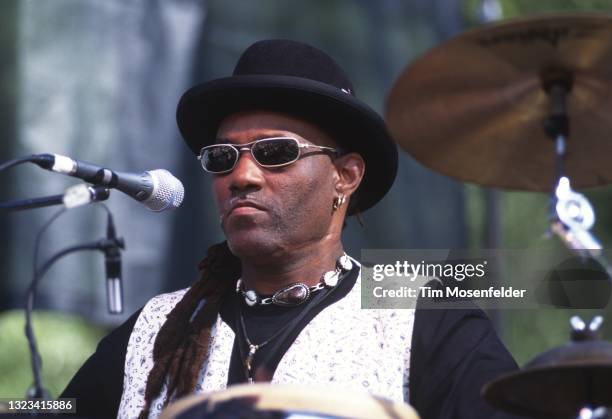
x=298, y=79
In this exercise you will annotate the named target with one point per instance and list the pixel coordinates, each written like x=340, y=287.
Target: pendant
x=248, y=362
x=291, y=295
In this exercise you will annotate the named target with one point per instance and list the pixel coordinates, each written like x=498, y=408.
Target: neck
x=305, y=265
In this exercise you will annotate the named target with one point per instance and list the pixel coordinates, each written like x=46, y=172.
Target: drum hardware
x=574, y=379
x=483, y=107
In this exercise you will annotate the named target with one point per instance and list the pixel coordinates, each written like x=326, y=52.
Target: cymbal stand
x=572, y=215
x=580, y=331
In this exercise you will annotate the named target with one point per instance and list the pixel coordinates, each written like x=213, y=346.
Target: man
x=292, y=152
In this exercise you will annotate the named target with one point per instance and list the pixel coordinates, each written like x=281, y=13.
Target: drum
x=284, y=401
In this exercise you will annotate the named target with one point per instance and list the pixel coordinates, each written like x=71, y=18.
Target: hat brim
x=352, y=123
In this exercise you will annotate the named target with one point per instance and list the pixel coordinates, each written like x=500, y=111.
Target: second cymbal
x=557, y=383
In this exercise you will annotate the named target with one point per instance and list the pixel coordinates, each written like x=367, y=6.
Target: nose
x=247, y=175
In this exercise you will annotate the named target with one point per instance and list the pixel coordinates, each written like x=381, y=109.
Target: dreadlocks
x=183, y=341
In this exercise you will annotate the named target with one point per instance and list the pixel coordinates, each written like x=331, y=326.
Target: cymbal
x=557, y=383
x=473, y=108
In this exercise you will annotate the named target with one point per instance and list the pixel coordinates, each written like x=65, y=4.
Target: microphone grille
x=168, y=191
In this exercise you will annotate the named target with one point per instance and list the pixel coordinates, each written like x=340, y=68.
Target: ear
x=350, y=168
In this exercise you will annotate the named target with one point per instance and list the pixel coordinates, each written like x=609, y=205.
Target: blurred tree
x=516, y=8
x=8, y=125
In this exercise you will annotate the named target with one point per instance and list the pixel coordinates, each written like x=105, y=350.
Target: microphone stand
x=74, y=196
x=41, y=202
x=103, y=245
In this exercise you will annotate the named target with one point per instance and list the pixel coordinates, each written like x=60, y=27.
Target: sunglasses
x=267, y=152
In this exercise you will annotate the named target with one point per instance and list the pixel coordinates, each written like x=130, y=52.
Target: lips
x=243, y=206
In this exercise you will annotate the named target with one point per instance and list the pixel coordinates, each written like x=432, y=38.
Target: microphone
x=83, y=194
x=157, y=189
x=112, y=262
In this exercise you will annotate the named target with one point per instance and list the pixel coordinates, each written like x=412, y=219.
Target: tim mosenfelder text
x=457, y=271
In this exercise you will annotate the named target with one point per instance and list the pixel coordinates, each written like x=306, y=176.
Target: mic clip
x=112, y=246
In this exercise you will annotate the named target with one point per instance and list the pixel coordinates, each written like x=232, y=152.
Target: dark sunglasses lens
x=219, y=158
x=276, y=151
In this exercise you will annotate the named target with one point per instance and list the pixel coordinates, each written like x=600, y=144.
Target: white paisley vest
x=343, y=345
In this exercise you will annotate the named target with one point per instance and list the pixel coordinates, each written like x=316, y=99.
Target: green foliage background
x=64, y=343
x=515, y=8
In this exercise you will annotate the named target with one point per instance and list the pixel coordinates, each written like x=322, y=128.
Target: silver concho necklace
x=297, y=293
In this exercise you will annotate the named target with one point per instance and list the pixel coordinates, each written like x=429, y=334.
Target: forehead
x=249, y=125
